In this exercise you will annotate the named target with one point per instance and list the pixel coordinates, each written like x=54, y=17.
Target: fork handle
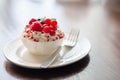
x=50, y=60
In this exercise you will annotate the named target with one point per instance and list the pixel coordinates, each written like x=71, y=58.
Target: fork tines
x=72, y=38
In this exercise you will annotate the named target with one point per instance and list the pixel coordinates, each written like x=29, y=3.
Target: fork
x=70, y=41
x=72, y=38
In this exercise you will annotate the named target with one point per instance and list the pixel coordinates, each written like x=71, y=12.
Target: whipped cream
x=42, y=36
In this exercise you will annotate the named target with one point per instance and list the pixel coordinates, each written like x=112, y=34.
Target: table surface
x=98, y=20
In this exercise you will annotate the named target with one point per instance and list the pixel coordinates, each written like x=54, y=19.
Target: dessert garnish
x=43, y=29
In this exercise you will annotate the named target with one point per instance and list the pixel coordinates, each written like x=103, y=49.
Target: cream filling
x=42, y=37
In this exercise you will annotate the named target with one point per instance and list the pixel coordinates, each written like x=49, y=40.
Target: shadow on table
x=52, y=73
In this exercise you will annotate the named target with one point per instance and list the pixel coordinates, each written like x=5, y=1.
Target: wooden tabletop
x=98, y=20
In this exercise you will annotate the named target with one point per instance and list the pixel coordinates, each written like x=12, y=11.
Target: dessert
x=42, y=36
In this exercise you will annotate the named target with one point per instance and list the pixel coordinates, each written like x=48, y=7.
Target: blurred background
x=82, y=14
x=98, y=20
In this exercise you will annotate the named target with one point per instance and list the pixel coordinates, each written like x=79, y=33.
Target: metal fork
x=70, y=41
x=72, y=38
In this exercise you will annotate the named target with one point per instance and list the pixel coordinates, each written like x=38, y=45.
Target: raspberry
x=32, y=20
x=44, y=25
x=54, y=23
x=47, y=21
x=36, y=26
x=53, y=27
x=46, y=29
x=52, y=32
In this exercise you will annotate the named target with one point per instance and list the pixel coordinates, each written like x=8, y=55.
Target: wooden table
x=97, y=20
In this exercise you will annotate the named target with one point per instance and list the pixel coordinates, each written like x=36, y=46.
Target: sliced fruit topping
x=32, y=20
x=36, y=26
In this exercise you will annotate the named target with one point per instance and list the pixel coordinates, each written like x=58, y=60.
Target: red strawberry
x=47, y=21
x=52, y=32
x=36, y=26
x=46, y=29
x=32, y=20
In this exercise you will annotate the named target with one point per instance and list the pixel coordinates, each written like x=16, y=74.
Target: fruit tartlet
x=42, y=36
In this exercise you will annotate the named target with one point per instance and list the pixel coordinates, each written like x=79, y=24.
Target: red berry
x=36, y=26
x=46, y=29
x=54, y=23
x=32, y=20
x=52, y=32
x=47, y=21
x=53, y=27
x=44, y=25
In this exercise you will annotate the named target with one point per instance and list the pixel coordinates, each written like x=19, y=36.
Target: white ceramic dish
x=16, y=53
x=41, y=48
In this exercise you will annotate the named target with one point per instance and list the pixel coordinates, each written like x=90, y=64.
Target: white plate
x=18, y=54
